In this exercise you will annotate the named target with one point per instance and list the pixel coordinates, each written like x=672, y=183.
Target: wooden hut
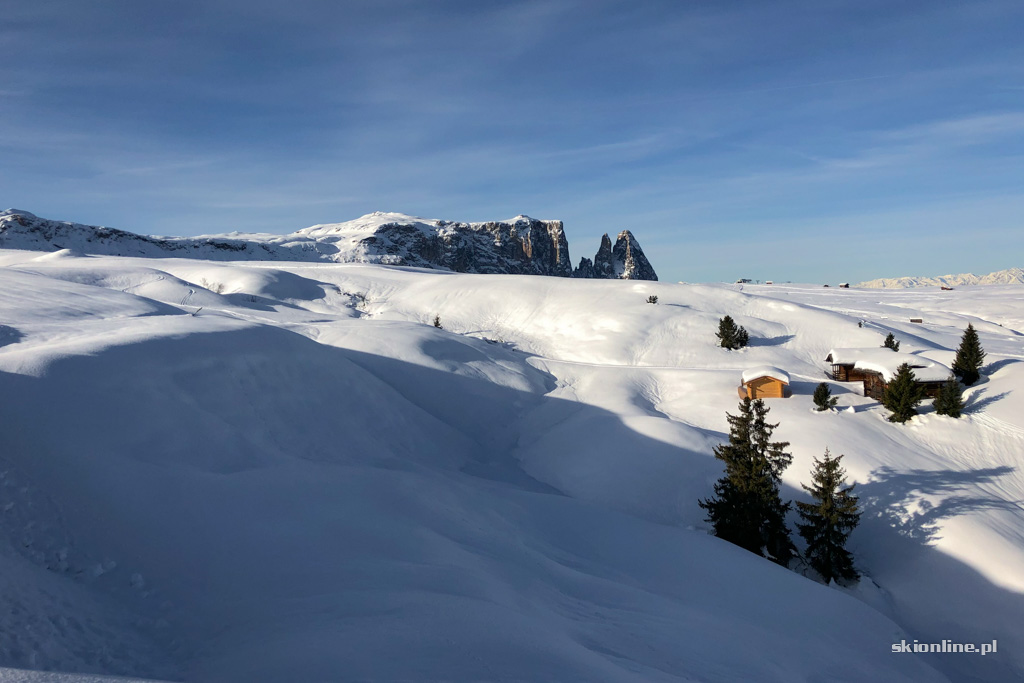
x=764, y=382
x=875, y=368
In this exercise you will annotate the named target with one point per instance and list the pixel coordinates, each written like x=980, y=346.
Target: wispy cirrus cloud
x=682, y=121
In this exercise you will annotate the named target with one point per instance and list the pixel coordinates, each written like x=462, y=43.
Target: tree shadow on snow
x=892, y=496
x=901, y=519
x=998, y=365
x=599, y=448
x=771, y=341
x=976, y=404
x=9, y=335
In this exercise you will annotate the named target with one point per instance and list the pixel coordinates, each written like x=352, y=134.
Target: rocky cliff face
x=625, y=260
x=521, y=246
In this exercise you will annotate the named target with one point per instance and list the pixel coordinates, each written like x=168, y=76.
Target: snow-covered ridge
x=1010, y=276
x=519, y=246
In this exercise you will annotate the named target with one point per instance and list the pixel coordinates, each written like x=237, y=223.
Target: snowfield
x=283, y=471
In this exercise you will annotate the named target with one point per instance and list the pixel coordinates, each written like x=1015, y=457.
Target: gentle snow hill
x=282, y=471
x=1010, y=276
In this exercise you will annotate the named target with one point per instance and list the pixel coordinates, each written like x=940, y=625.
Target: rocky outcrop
x=585, y=269
x=625, y=260
x=629, y=260
x=521, y=246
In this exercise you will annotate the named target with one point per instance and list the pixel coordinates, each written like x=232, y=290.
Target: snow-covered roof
x=765, y=371
x=886, y=362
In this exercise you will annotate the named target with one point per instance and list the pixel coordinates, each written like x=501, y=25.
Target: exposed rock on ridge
x=626, y=260
x=522, y=245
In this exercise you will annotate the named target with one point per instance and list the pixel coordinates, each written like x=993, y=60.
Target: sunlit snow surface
x=284, y=472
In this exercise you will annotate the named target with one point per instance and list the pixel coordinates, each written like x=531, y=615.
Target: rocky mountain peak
x=625, y=260
x=519, y=246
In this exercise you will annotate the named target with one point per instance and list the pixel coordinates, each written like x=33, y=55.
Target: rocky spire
x=629, y=260
x=603, y=266
x=625, y=261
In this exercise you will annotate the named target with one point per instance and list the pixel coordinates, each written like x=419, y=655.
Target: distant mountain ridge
x=1010, y=276
x=520, y=246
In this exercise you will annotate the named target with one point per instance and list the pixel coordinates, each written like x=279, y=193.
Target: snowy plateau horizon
x=401, y=239
x=266, y=464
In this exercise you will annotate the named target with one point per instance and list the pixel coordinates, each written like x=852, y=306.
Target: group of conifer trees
x=730, y=335
x=903, y=394
x=747, y=508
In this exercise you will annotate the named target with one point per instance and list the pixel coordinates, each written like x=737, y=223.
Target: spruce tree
x=823, y=397
x=747, y=509
x=903, y=395
x=742, y=338
x=829, y=520
x=652, y=299
x=891, y=342
x=727, y=333
x=949, y=400
x=969, y=357
x=437, y=321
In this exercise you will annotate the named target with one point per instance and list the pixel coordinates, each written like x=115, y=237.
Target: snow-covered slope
x=1010, y=276
x=522, y=245
x=282, y=471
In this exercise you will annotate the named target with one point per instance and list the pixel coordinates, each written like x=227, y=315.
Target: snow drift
x=278, y=472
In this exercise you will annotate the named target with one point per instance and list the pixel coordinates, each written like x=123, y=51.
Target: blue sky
x=806, y=141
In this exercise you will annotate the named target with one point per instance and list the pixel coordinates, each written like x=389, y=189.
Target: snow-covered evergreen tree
x=823, y=398
x=969, y=357
x=903, y=395
x=891, y=342
x=730, y=335
x=747, y=509
x=949, y=400
x=829, y=520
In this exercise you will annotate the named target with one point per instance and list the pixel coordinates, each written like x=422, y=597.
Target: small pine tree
x=730, y=335
x=652, y=299
x=891, y=342
x=726, y=334
x=829, y=520
x=949, y=400
x=903, y=395
x=742, y=338
x=437, y=322
x=747, y=509
x=823, y=397
x=969, y=357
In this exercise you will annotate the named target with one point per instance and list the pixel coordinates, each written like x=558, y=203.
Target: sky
x=811, y=141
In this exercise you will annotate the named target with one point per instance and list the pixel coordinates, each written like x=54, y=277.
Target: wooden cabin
x=764, y=382
x=875, y=368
